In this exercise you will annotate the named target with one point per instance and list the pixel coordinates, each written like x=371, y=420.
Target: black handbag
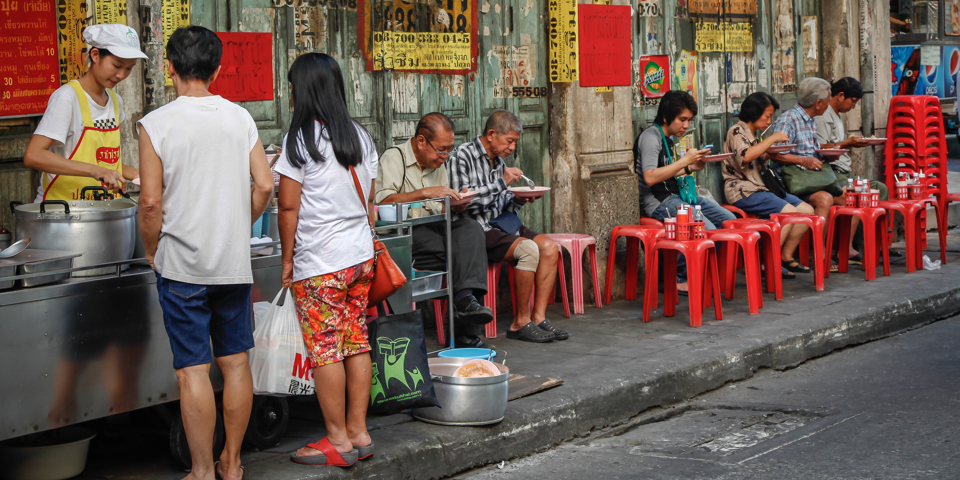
x=772, y=181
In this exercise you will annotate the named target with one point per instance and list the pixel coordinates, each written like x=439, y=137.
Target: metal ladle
x=529, y=182
x=15, y=249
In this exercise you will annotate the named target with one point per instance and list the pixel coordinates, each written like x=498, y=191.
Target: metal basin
x=103, y=231
x=465, y=401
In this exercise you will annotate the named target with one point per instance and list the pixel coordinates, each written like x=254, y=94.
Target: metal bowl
x=465, y=401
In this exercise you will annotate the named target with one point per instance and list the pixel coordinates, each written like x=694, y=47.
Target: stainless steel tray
x=36, y=261
x=8, y=268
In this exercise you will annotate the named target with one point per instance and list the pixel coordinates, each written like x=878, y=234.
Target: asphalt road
x=889, y=409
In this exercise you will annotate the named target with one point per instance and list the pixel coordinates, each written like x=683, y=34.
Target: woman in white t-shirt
x=328, y=251
x=77, y=143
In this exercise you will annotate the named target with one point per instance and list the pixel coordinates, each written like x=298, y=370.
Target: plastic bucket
x=469, y=353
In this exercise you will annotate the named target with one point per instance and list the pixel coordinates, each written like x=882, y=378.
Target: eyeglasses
x=439, y=152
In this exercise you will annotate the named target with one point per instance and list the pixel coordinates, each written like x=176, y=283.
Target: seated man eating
x=478, y=166
x=413, y=171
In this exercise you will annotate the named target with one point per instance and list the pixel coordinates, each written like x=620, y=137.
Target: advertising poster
x=951, y=24
x=72, y=48
x=605, y=45
x=950, y=66
x=111, y=11
x=911, y=77
x=28, y=46
x=654, y=75
x=723, y=37
x=685, y=72
x=414, y=37
x=563, y=41
x=176, y=14
x=246, y=67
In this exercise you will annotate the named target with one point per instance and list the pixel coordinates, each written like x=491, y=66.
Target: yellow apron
x=98, y=146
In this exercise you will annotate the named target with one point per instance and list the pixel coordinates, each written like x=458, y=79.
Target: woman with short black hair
x=742, y=184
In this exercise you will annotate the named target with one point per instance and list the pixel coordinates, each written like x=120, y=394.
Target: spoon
x=529, y=182
x=15, y=249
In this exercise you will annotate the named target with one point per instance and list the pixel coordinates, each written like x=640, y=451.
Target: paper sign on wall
x=685, y=72
x=176, y=14
x=433, y=37
x=605, y=45
x=246, y=67
x=29, y=71
x=649, y=8
x=564, y=47
x=111, y=11
x=654, y=75
x=73, y=48
x=724, y=37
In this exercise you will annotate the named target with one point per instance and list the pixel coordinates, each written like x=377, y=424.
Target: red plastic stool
x=738, y=211
x=748, y=241
x=489, y=300
x=702, y=275
x=636, y=236
x=815, y=232
x=912, y=211
x=576, y=243
x=770, y=233
x=874, y=238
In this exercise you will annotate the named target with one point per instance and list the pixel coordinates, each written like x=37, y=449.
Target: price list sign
x=564, y=46
x=29, y=69
x=426, y=37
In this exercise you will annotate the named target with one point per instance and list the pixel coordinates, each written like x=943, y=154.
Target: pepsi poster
x=950, y=66
x=912, y=78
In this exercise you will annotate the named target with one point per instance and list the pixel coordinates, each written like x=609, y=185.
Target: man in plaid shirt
x=813, y=98
x=478, y=166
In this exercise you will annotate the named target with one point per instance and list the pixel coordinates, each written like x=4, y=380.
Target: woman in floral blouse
x=743, y=186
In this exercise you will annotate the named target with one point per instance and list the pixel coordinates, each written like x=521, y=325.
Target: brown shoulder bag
x=387, y=276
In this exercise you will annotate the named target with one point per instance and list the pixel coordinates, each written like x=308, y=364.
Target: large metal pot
x=465, y=401
x=102, y=230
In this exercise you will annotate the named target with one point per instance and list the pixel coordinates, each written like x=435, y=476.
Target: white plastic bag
x=930, y=265
x=279, y=359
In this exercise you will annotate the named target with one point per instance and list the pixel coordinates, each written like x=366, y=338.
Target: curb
x=819, y=325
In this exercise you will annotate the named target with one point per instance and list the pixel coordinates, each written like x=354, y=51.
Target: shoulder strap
x=356, y=183
x=116, y=105
x=84, y=104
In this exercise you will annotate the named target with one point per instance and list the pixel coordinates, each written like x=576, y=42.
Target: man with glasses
x=844, y=96
x=414, y=171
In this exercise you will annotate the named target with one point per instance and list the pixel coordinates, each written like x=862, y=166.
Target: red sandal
x=329, y=455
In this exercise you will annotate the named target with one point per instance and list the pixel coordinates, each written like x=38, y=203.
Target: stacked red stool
x=874, y=238
x=748, y=241
x=814, y=233
x=770, y=234
x=636, y=235
x=702, y=275
x=916, y=141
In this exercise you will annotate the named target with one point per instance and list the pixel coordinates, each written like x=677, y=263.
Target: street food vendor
x=77, y=143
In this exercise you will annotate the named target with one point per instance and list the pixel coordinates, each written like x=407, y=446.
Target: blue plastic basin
x=471, y=353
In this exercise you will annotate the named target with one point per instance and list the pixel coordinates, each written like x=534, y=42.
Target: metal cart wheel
x=178, y=441
x=268, y=421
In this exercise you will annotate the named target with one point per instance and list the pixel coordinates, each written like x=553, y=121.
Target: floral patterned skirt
x=332, y=312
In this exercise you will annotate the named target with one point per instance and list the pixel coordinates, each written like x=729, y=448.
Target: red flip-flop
x=329, y=455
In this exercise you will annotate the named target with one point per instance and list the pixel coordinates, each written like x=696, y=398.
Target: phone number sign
x=419, y=37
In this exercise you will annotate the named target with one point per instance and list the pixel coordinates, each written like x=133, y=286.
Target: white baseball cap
x=119, y=40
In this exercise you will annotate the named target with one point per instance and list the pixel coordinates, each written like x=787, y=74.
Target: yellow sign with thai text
x=724, y=37
x=111, y=11
x=439, y=37
x=176, y=14
x=72, y=46
x=564, y=47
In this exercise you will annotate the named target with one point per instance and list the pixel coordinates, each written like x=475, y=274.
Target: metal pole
x=446, y=216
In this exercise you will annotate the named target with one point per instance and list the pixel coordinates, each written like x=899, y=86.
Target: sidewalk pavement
x=615, y=367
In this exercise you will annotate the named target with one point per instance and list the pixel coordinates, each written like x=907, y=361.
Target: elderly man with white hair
x=813, y=98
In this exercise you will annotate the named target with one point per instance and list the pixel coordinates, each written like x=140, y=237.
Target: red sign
x=29, y=68
x=605, y=45
x=108, y=155
x=654, y=75
x=246, y=68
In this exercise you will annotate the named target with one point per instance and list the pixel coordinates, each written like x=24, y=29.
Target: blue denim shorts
x=197, y=315
x=765, y=203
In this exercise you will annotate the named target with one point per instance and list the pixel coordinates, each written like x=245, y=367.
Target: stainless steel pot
x=465, y=401
x=102, y=230
x=273, y=227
